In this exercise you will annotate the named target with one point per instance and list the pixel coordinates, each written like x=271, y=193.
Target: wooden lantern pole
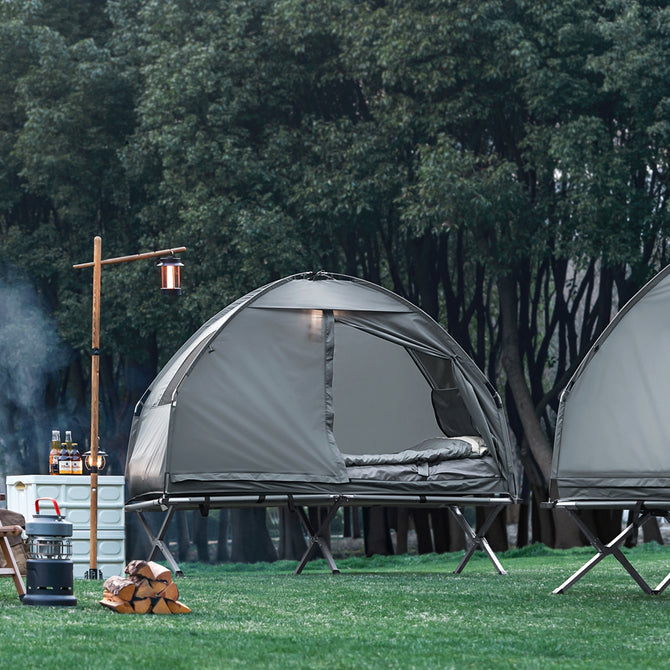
x=97, y=264
x=95, y=404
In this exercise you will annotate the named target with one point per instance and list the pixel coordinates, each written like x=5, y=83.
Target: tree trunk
x=456, y=536
x=651, y=531
x=523, y=530
x=496, y=535
x=352, y=526
x=511, y=360
x=402, y=531
x=251, y=542
x=439, y=520
x=424, y=538
x=376, y=532
x=222, y=555
x=183, y=535
x=346, y=522
x=292, y=544
x=200, y=528
x=356, y=523
x=565, y=533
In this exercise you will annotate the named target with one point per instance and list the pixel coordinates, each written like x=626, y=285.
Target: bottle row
x=64, y=457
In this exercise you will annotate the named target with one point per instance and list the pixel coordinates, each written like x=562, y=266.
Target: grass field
x=383, y=612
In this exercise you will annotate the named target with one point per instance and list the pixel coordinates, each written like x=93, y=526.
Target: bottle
x=64, y=461
x=77, y=463
x=54, y=454
x=68, y=440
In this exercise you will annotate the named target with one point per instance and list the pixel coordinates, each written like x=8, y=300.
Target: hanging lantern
x=101, y=461
x=171, y=275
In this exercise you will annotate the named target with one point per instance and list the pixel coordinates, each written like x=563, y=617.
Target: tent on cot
x=320, y=389
x=611, y=444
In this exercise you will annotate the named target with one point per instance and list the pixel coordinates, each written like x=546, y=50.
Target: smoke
x=30, y=354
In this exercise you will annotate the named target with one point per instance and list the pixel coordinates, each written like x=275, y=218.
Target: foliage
x=459, y=153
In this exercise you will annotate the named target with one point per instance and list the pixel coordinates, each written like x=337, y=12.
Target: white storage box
x=111, y=552
x=73, y=495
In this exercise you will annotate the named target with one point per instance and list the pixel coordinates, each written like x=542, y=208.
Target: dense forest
x=502, y=164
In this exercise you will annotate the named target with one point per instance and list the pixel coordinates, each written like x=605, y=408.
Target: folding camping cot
x=611, y=447
x=320, y=389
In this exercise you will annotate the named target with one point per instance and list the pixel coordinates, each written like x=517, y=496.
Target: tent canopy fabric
x=613, y=422
x=272, y=393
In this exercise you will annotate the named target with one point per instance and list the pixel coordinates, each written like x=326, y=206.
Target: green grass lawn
x=384, y=612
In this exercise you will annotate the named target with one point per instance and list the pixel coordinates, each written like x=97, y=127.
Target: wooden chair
x=12, y=569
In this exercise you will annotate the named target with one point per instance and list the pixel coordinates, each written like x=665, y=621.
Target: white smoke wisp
x=30, y=351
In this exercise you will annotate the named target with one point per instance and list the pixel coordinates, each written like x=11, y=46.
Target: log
x=149, y=569
x=169, y=592
x=159, y=572
x=160, y=606
x=142, y=605
x=148, y=588
x=120, y=586
x=144, y=588
x=118, y=605
x=177, y=607
x=135, y=567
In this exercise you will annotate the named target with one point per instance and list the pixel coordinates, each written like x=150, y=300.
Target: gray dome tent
x=314, y=388
x=297, y=381
x=613, y=422
x=611, y=444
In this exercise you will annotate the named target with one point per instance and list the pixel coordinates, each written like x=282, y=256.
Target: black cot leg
x=477, y=539
x=157, y=541
x=318, y=538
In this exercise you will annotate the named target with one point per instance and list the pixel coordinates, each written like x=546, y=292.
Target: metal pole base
x=93, y=573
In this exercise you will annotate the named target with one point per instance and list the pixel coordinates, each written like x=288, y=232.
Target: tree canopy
x=504, y=165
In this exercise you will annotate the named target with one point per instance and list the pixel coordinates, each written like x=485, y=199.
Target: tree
x=502, y=165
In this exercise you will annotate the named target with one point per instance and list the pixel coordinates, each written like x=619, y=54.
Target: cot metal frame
x=640, y=512
x=316, y=537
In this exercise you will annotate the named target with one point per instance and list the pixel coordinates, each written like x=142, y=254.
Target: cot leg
x=477, y=539
x=318, y=538
x=664, y=583
x=157, y=541
x=611, y=548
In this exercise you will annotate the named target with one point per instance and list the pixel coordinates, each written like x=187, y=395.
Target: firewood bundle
x=148, y=588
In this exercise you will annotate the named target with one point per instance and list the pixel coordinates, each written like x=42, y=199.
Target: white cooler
x=73, y=494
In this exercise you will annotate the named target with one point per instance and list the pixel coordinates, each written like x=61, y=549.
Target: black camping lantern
x=100, y=463
x=49, y=569
x=171, y=275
